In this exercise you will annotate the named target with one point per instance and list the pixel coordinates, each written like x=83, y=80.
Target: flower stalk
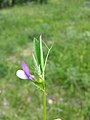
x=40, y=64
x=44, y=98
x=44, y=103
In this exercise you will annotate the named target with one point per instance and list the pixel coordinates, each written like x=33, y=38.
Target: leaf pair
x=39, y=61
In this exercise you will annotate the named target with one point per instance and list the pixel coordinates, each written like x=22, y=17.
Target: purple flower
x=25, y=72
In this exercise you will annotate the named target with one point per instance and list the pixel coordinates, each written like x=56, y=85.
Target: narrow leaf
x=37, y=50
x=38, y=86
x=36, y=65
x=35, y=62
x=41, y=54
x=47, y=57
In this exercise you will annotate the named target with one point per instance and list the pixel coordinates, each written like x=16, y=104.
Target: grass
x=67, y=24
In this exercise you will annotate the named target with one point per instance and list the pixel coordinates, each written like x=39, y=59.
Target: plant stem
x=44, y=103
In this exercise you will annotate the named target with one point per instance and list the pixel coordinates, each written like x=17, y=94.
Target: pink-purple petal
x=27, y=71
x=25, y=68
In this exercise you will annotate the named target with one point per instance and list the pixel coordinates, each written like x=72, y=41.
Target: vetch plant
x=40, y=64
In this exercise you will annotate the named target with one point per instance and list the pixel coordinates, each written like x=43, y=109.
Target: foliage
x=5, y=3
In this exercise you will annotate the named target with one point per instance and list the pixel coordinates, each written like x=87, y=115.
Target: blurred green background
x=66, y=23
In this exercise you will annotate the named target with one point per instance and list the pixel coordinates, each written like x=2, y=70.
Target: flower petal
x=25, y=68
x=31, y=77
x=21, y=74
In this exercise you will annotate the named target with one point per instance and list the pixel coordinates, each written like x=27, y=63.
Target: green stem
x=44, y=99
x=44, y=103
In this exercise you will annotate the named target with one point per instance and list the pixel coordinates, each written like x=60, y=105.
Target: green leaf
x=47, y=58
x=36, y=65
x=39, y=86
x=39, y=52
x=35, y=62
